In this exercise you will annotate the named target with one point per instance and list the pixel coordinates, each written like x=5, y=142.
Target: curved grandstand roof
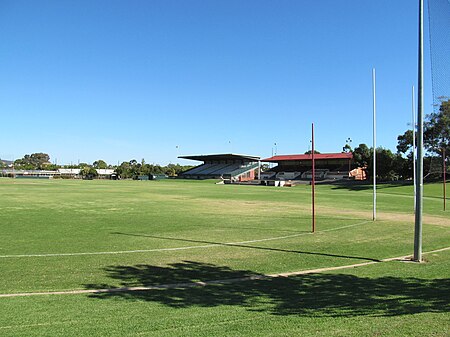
x=317, y=156
x=225, y=156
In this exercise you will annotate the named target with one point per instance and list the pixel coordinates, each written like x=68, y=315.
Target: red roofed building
x=299, y=166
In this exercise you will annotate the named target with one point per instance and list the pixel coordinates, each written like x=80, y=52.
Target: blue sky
x=121, y=80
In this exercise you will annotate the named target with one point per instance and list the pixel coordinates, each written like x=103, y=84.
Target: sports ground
x=191, y=258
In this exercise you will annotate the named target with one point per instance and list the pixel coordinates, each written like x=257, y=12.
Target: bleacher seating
x=210, y=170
x=319, y=174
x=287, y=175
x=195, y=169
x=337, y=175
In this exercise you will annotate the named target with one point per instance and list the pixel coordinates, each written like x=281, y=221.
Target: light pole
x=374, y=215
x=177, y=147
x=444, y=166
x=313, y=182
x=419, y=171
x=349, y=143
x=414, y=145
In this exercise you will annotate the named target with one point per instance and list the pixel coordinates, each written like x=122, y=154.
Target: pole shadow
x=249, y=246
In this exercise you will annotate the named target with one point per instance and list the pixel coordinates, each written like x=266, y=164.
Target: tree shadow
x=242, y=245
x=333, y=295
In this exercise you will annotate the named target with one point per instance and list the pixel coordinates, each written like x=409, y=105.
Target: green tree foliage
x=437, y=130
x=35, y=161
x=132, y=169
x=100, y=164
x=405, y=142
x=362, y=155
x=436, y=137
x=88, y=172
x=390, y=166
x=347, y=148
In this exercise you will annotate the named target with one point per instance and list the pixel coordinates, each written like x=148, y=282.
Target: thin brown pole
x=313, y=182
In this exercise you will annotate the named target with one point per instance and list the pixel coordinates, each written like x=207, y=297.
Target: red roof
x=317, y=156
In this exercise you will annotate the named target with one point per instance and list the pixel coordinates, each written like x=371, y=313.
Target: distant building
x=72, y=173
x=69, y=172
x=34, y=174
x=105, y=173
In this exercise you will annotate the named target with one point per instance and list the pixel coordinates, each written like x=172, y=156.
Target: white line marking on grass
x=213, y=282
x=178, y=248
x=36, y=324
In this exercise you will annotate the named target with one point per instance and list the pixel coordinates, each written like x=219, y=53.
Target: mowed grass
x=74, y=235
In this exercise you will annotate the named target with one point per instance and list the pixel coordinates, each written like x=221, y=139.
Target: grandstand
x=233, y=167
x=329, y=166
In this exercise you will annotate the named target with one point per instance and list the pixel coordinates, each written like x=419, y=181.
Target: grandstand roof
x=225, y=156
x=6, y=162
x=317, y=156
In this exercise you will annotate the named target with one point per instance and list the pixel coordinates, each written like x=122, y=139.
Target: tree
x=386, y=165
x=405, y=141
x=35, y=161
x=99, y=164
x=310, y=152
x=436, y=137
x=170, y=171
x=437, y=130
x=347, y=148
x=265, y=167
x=88, y=172
x=123, y=170
x=362, y=155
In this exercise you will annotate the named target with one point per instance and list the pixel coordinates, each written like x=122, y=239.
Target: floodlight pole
x=419, y=184
x=313, y=182
x=414, y=144
x=374, y=217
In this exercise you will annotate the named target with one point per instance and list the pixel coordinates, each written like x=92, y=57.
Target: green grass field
x=66, y=235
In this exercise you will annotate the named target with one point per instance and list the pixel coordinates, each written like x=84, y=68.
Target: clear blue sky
x=121, y=80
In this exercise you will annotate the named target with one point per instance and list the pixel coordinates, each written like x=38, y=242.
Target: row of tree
x=133, y=169
x=390, y=166
x=128, y=169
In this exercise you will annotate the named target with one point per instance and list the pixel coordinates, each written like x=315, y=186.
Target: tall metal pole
x=444, y=173
x=419, y=184
x=271, y=164
x=313, y=182
x=13, y=171
x=414, y=143
x=374, y=146
x=259, y=169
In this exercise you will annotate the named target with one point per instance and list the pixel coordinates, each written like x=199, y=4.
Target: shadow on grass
x=242, y=245
x=367, y=185
x=331, y=295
